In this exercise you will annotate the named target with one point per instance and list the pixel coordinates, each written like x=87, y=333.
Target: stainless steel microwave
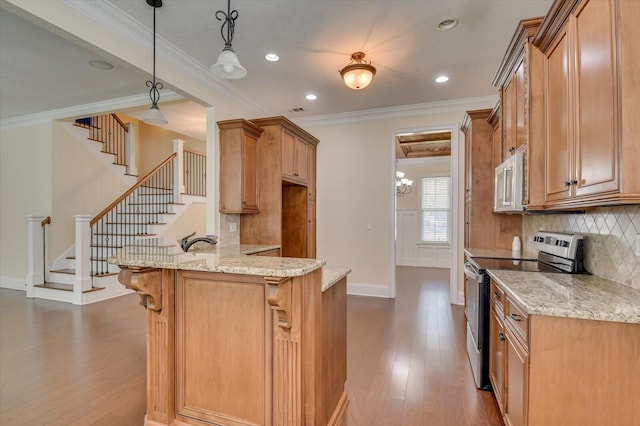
x=509, y=184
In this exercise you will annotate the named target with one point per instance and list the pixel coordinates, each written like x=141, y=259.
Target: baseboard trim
x=371, y=290
x=422, y=263
x=13, y=283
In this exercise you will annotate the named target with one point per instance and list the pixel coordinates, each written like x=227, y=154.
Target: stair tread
x=65, y=287
x=155, y=204
x=146, y=213
x=136, y=223
x=104, y=246
x=123, y=235
x=108, y=274
x=68, y=271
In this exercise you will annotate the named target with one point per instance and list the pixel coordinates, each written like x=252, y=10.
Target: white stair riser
x=56, y=277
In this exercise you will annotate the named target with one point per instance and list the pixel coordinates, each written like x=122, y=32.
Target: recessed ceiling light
x=442, y=79
x=272, y=57
x=311, y=97
x=101, y=65
x=447, y=24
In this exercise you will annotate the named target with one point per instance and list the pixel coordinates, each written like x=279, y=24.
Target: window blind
x=436, y=202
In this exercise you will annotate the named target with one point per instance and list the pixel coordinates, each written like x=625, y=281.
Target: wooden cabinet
x=591, y=99
x=495, y=120
x=520, y=80
x=286, y=172
x=294, y=158
x=238, y=166
x=483, y=228
x=545, y=369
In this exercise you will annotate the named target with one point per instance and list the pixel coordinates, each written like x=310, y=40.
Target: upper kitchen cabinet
x=592, y=103
x=520, y=78
x=238, y=166
x=495, y=120
x=295, y=156
x=483, y=228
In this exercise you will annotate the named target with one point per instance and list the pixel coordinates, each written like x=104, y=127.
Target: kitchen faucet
x=186, y=243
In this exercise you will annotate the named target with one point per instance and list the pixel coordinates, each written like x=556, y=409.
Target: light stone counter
x=330, y=276
x=166, y=253
x=571, y=296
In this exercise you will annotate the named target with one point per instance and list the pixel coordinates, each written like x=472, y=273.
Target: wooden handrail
x=46, y=221
x=124, y=126
x=194, y=152
x=130, y=190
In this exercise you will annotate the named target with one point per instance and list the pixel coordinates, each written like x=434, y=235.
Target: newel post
x=35, y=253
x=178, y=170
x=130, y=148
x=82, y=280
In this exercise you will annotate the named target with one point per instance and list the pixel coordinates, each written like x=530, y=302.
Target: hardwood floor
x=85, y=365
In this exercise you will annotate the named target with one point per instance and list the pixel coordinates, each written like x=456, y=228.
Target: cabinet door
x=249, y=173
x=558, y=145
x=596, y=160
x=520, y=105
x=497, y=356
x=311, y=171
x=288, y=154
x=508, y=119
x=516, y=382
x=301, y=158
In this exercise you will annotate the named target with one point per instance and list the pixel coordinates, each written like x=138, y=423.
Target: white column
x=35, y=253
x=178, y=170
x=212, y=168
x=131, y=147
x=82, y=280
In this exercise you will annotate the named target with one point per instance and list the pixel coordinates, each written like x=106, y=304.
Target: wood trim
x=494, y=117
x=553, y=23
x=280, y=302
x=124, y=126
x=526, y=29
x=245, y=125
x=472, y=115
x=288, y=125
x=146, y=282
x=130, y=190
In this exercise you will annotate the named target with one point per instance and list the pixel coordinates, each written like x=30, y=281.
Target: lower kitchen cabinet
x=562, y=371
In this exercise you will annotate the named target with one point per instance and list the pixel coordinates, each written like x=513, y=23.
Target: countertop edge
x=331, y=275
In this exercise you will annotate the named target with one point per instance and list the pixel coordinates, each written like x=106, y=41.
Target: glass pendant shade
x=228, y=65
x=358, y=77
x=154, y=116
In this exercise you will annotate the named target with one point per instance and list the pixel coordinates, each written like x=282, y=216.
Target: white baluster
x=178, y=170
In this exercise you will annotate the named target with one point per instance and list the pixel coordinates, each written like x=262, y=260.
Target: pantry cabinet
x=238, y=166
x=591, y=103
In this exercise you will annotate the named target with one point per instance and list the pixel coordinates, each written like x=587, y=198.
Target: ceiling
x=314, y=39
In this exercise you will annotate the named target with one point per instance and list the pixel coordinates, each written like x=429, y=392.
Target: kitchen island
x=237, y=339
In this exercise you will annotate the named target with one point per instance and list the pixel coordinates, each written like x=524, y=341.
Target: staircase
x=140, y=213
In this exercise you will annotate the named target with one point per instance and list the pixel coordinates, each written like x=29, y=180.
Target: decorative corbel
x=147, y=282
x=280, y=299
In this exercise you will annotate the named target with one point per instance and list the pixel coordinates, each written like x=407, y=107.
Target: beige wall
x=25, y=189
x=355, y=188
x=193, y=219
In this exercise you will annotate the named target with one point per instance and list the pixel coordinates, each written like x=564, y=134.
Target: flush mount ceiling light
x=272, y=57
x=154, y=116
x=311, y=97
x=442, y=79
x=228, y=64
x=358, y=74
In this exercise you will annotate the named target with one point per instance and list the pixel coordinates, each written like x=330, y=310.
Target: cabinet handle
x=516, y=317
x=567, y=183
x=574, y=182
x=501, y=336
x=496, y=294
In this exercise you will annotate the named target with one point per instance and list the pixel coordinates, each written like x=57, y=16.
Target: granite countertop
x=330, y=276
x=499, y=254
x=166, y=253
x=571, y=295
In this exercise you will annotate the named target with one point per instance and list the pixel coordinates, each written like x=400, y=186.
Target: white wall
x=355, y=189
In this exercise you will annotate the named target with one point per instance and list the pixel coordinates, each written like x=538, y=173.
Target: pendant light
x=154, y=116
x=358, y=74
x=228, y=65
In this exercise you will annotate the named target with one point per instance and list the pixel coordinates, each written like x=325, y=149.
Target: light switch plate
x=233, y=227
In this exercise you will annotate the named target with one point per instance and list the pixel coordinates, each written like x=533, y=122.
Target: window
x=436, y=202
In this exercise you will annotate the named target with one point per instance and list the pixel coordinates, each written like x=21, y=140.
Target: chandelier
x=358, y=74
x=403, y=185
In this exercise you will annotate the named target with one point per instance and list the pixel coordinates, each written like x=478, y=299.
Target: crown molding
x=431, y=108
x=107, y=15
x=84, y=110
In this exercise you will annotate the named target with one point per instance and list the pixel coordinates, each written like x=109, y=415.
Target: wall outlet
x=638, y=245
x=233, y=227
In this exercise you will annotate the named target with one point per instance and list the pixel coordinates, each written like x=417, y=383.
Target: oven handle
x=470, y=273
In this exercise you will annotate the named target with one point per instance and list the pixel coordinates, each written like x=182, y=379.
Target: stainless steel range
x=557, y=252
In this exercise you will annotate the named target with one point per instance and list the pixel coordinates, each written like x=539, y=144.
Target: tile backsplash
x=610, y=237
